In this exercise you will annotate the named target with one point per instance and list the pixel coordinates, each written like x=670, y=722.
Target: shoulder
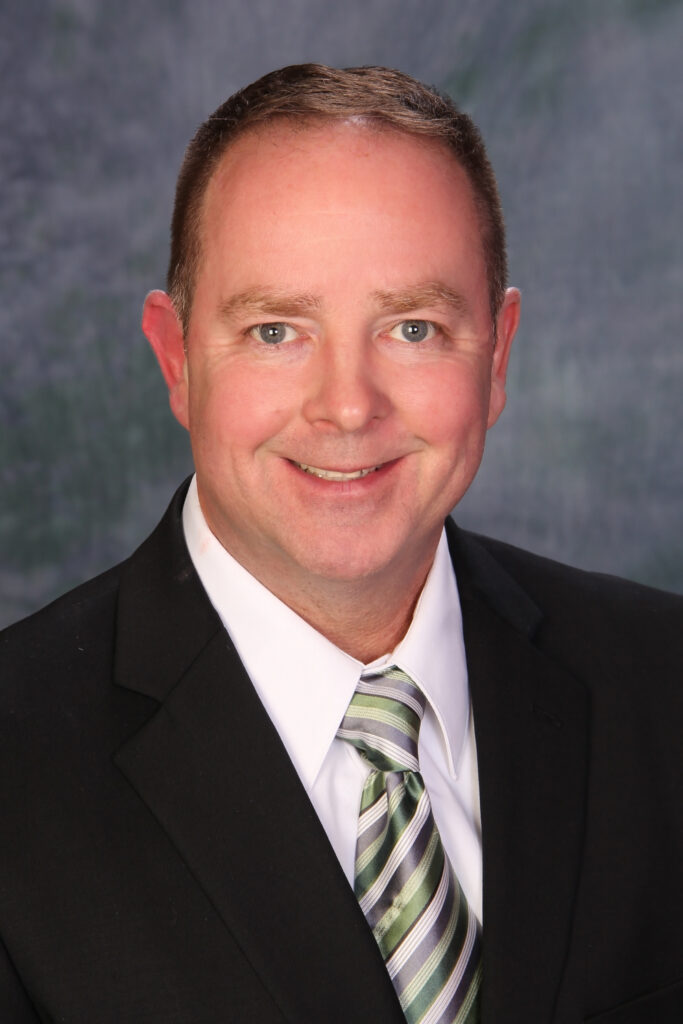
x=600, y=626
x=74, y=635
x=552, y=585
x=60, y=646
x=88, y=600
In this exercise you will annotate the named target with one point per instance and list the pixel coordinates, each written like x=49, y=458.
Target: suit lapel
x=530, y=720
x=212, y=770
x=531, y=730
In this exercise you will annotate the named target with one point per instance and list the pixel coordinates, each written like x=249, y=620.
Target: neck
x=364, y=617
x=362, y=623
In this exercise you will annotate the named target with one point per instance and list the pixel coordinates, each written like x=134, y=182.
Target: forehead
x=320, y=206
x=322, y=159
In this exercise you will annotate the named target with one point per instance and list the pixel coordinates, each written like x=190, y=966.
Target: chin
x=347, y=562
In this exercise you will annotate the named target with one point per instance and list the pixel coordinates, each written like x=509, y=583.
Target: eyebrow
x=258, y=302
x=430, y=293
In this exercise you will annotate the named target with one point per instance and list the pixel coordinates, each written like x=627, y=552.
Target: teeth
x=332, y=474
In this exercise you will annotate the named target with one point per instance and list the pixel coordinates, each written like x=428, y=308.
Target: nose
x=347, y=391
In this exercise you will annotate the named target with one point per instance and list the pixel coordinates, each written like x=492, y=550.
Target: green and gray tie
x=407, y=889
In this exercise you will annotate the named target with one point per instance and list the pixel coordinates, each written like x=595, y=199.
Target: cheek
x=448, y=407
x=234, y=409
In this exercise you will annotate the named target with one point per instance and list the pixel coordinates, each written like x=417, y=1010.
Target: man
x=188, y=740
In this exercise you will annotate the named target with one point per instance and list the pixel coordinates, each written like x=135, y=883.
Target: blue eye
x=274, y=333
x=413, y=330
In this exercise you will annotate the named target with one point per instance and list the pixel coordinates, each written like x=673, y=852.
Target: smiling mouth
x=333, y=474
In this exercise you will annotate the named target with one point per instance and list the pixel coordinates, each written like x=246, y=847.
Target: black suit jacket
x=161, y=862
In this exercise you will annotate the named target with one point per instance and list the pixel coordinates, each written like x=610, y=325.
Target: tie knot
x=383, y=720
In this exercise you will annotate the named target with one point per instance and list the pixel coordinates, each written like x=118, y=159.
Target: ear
x=164, y=332
x=506, y=327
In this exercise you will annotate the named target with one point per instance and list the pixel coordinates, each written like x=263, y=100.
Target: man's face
x=341, y=371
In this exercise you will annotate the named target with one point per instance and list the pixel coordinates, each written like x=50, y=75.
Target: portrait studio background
x=580, y=107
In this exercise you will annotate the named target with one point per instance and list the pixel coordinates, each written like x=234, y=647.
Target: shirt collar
x=432, y=653
x=304, y=682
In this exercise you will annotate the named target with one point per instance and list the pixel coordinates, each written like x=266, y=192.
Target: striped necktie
x=407, y=889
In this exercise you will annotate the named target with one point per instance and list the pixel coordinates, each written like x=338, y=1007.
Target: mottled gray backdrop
x=580, y=103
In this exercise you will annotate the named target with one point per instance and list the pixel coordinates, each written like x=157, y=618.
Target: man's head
x=309, y=93
x=341, y=364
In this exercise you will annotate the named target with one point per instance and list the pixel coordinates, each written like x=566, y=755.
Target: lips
x=334, y=474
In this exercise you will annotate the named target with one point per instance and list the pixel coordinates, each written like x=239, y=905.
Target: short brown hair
x=304, y=92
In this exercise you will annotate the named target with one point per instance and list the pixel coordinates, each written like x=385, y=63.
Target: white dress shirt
x=306, y=683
